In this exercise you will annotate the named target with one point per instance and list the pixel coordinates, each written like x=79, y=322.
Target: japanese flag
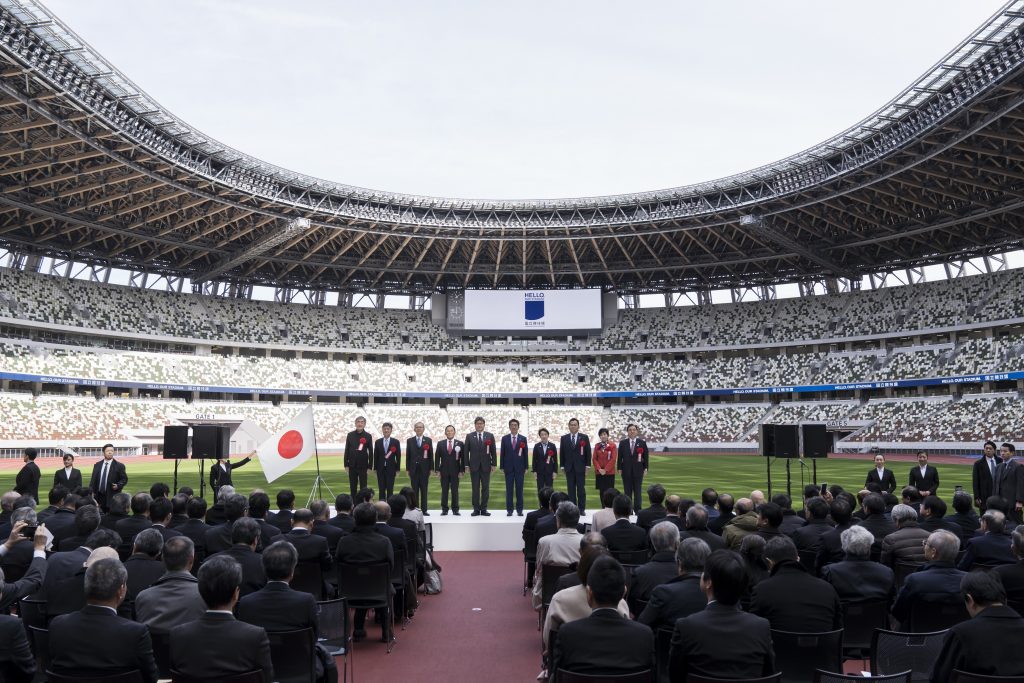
x=289, y=448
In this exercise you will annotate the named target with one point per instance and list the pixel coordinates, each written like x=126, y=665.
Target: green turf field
x=682, y=475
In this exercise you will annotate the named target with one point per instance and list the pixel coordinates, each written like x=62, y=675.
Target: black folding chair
x=893, y=652
x=529, y=558
x=332, y=619
x=828, y=677
x=428, y=532
x=247, y=677
x=797, y=655
x=398, y=570
x=33, y=612
x=631, y=558
x=39, y=638
x=309, y=578
x=662, y=649
x=294, y=656
x=549, y=575
x=965, y=677
x=564, y=676
x=694, y=678
x=162, y=652
x=368, y=586
x=936, y=616
x=809, y=560
x=134, y=676
x=904, y=569
x=860, y=619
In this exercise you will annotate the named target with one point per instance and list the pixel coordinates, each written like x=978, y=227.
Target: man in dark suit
x=119, y=507
x=513, y=464
x=195, y=528
x=322, y=527
x=55, y=497
x=650, y=516
x=992, y=547
x=282, y=519
x=33, y=577
x=924, y=477
x=790, y=598
x=574, y=458
x=544, y=464
x=726, y=503
x=1012, y=575
x=220, y=472
x=419, y=462
x=244, y=535
x=179, y=510
x=108, y=477
x=27, y=480
x=969, y=645
x=143, y=566
x=342, y=518
x=673, y=513
x=830, y=547
x=387, y=460
x=358, y=455
x=697, y=527
x=605, y=643
x=68, y=476
x=216, y=645
x=1009, y=482
x=875, y=520
x=543, y=510
x=365, y=546
x=16, y=660
x=310, y=547
x=664, y=539
x=160, y=516
x=623, y=535
x=936, y=581
x=482, y=459
x=87, y=520
x=856, y=578
x=174, y=598
x=681, y=595
x=704, y=643
x=395, y=535
x=95, y=641
x=129, y=528
x=634, y=461
x=450, y=465
x=18, y=557
x=881, y=476
x=983, y=474
x=808, y=537
x=964, y=516
x=259, y=505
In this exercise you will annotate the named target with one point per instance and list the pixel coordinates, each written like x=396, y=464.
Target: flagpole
x=316, y=493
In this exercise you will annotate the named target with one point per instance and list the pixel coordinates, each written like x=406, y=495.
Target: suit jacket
x=16, y=660
x=216, y=645
x=661, y=568
x=358, y=450
x=810, y=535
x=514, y=456
x=791, y=521
x=1012, y=576
x=625, y=536
x=27, y=480
x=933, y=582
x=221, y=476
x=61, y=524
x=793, y=600
x=575, y=459
x=268, y=534
x=932, y=524
x=344, y=522
x=17, y=560
x=196, y=530
x=705, y=643
x=830, y=547
x=718, y=523
x=412, y=534
x=395, y=536
x=988, y=549
x=969, y=523
x=1010, y=482
x=858, y=579
x=310, y=547
x=928, y=482
x=130, y=527
x=981, y=479
x=218, y=538
x=887, y=482
x=604, y=643
x=60, y=478
x=109, y=520
x=879, y=525
x=58, y=568
x=649, y=516
x=364, y=546
x=390, y=461
x=95, y=640
x=419, y=458
x=278, y=607
x=679, y=597
x=450, y=462
x=166, y=532
x=282, y=519
x=253, y=576
x=143, y=572
x=633, y=462
x=714, y=541
x=172, y=601
x=116, y=476
x=481, y=451
x=969, y=645
x=541, y=456
x=28, y=584
x=530, y=521
x=329, y=532
x=44, y=514
x=215, y=514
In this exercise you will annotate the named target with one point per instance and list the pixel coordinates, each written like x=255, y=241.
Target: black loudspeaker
x=817, y=441
x=175, y=442
x=780, y=441
x=210, y=441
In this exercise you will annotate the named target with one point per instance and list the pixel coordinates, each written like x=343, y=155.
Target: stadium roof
x=95, y=170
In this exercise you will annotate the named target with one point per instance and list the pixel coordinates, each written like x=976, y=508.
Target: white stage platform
x=497, y=532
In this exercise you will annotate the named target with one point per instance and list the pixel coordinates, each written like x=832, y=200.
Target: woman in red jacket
x=604, y=462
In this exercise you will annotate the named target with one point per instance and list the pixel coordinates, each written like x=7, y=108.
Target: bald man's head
x=744, y=505
x=757, y=496
x=383, y=511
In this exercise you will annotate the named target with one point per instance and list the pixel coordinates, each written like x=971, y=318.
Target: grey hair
x=224, y=492
x=691, y=554
x=149, y=542
x=857, y=541
x=1018, y=540
x=27, y=515
x=664, y=536
x=567, y=515
x=945, y=544
x=903, y=513
x=995, y=521
x=104, y=578
x=697, y=518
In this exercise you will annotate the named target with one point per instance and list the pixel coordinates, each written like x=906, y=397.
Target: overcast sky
x=523, y=99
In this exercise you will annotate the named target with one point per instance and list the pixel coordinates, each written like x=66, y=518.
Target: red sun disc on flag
x=290, y=444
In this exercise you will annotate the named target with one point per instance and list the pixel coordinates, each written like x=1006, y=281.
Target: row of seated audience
x=712, y=569
x=205, y=584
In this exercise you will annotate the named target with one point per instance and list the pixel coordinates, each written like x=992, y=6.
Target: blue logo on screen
x=534, y=306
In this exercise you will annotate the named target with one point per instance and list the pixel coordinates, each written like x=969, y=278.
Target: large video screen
x=532, y=311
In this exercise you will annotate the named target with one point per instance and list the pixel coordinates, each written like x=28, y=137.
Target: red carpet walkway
x=480, y=628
